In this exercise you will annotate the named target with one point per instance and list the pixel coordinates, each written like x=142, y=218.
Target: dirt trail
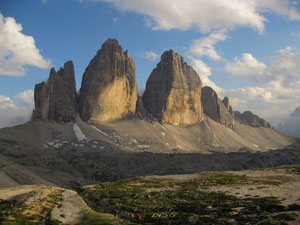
x=71, y=208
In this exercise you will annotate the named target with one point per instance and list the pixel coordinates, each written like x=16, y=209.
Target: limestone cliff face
x=215, y=108
x=251, y=119
x=109, y=88
x=57, y=99
x=173, y=91
x=41, y=101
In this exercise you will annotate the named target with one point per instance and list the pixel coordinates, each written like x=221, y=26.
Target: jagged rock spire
x=56, y=99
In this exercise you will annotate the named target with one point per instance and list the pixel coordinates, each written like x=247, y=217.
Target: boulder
x=173, y=91
x=56, y=99
x=215, y=108
x=109, y=88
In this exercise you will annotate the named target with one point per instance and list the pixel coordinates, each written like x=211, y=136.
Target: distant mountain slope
x=51, y=153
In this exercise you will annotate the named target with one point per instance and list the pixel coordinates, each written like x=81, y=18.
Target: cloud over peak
x=150, y=56
x=17, y=50
x=205, y=46
x=246, y=66
x=207, y=15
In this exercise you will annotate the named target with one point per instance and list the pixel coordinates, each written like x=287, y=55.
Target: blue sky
x=245, y=49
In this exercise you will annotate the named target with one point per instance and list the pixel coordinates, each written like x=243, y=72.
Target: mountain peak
x=109, y=88
x=57, y=100
x=173, y=91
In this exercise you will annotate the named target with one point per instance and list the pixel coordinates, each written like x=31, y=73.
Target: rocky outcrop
x=56, y=99
x=250, y=119
x=41, y=101
x=109, y=88
x=173, y=91
x=219, y=111
x=227, y=105
x=141, y=112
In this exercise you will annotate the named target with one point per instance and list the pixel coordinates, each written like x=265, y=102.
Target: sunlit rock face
x=173, y=91
x=109, y=89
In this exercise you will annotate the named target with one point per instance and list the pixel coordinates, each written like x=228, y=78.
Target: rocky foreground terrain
x=259, y=196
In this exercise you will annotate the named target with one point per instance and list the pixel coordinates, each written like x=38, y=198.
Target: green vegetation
x=93, y=218
x=163, y=201
x=186, y=202
x=293, y=169
x=12, y=212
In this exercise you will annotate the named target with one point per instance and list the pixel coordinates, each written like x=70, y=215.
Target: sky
x=248, y=50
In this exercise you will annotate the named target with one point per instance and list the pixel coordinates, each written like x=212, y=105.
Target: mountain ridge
x=61, y=148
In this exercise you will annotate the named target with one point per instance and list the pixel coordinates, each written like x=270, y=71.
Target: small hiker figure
x=115, y=213
x=139, y=217
x=261, y=174
x=131, y=216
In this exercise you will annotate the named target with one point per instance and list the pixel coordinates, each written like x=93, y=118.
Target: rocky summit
x=219, y=111
x=56, y=99
x=173, y=91
x=227, y=105
x=109, y=89
x=250, y=119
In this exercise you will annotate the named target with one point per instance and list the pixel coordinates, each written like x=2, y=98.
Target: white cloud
x=281, y=82
x=207, y=15
x=115, y=20
x=247, y=66
x=17, y=50
x=283, y=71
x=44, y=1
x=279, y=90
x=16, y=112
x=151, y=56
x=27, y=96
x=285, y=68
x=286, y=8
x=204, y=73
x=296, y=35
x=291, y=124
x=205, y=46
x=268, y=102
x=6, y=102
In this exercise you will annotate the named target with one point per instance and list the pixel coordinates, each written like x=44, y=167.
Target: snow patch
x=100, y=131
x=78, y=133
x=179, y=146
x=255, y=145
x=50, y=143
